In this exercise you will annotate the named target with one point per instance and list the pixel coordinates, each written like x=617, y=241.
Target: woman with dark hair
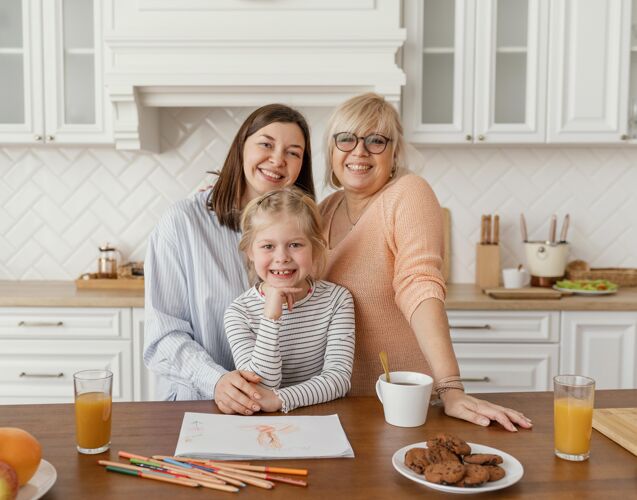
x=194, y=270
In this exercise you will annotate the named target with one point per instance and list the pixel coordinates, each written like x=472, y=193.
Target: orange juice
x=93, y=419
x=573, y=421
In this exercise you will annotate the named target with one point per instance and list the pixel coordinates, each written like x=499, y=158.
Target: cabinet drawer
x=504, y=326
x=507, y=367
x=42, y=371
x=64, y=322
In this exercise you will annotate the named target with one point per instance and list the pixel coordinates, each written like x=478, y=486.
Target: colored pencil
x=242, y=466
x=196, y=475
x=157, y=476
x=208, y=476
x=208, y=473
x=263, y=475
x=260, y=483
x=198, y=482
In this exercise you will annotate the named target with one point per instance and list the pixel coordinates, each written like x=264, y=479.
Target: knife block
x=487, y=265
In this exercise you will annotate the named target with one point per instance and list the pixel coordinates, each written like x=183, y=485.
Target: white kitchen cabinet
x=504, y=326
x=589, y=71
x=476, y=71
x=145, y=380
x=601, y=345
x=41, y=348
x=51, y=60
x=507, y=367
x=503, y=351
x=632, y=94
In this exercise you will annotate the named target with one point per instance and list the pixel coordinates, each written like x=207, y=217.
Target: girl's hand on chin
x=274, y=299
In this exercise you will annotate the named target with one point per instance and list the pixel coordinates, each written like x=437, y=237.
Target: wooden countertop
x=153, y=427
x=64, y=294
x=459, y=296
x=469, y=296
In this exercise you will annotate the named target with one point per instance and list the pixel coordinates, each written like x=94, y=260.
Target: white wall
x=57, y=204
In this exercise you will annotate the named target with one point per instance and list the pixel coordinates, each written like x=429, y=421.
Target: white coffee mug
x=513, y=277
x=406, y=399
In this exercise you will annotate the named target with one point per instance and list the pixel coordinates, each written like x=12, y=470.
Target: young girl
x=294, y=332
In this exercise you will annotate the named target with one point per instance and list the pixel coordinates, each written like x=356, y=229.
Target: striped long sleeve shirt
x=193, y=272
x=307, y=355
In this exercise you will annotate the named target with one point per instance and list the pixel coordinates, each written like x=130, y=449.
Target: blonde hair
x=358, y=115
x=290, y=201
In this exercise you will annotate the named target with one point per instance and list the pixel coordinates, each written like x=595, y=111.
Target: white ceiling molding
x=152, y=63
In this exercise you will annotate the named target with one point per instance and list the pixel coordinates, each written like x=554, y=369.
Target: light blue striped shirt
x=193, y=271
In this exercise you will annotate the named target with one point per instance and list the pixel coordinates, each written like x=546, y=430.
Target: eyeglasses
x=373, y=143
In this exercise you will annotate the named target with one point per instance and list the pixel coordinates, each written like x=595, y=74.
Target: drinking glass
x=573, y=399
x=93, y=404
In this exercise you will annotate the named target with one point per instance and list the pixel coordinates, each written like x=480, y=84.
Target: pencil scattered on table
x=217, y=475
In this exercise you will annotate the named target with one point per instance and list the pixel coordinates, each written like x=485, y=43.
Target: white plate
x=40, y=483
x=585, y=292
x=513, y=468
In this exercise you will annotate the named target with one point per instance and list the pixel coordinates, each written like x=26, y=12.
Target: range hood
x=147, y=68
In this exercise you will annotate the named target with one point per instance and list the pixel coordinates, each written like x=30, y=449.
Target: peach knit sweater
x=391, y=262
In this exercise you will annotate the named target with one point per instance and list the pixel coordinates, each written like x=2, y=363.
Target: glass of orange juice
x=573, y=399
x=93, y=403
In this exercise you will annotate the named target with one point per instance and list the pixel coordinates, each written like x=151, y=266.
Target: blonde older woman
x=384, y=230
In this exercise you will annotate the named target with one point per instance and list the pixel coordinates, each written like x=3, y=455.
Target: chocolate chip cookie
x=416, y=459
x=495, y=472
x=451, y=442
x=440, y=455
x=483, y=459
x=445, y=473
x=475, y=475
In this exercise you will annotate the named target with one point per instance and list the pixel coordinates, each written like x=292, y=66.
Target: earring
x=393, y=172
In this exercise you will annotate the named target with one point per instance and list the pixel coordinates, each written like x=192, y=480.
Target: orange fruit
x=21, y=451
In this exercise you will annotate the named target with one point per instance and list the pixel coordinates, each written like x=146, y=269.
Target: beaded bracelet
x=448, y=383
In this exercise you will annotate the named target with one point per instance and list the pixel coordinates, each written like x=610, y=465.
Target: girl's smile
x=281, y=252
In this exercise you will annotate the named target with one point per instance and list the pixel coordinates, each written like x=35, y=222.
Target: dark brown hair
x=225, y=198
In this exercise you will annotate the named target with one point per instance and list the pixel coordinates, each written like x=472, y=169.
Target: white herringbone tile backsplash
x=57, y=204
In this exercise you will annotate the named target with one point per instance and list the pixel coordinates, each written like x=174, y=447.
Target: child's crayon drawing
x=268, y=435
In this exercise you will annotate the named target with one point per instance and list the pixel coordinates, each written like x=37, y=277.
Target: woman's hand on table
x=481, y=412
x=236, y=392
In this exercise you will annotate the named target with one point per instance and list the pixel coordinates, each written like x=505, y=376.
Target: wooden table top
x=153, y=427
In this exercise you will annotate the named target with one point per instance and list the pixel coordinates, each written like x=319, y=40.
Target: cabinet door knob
x=41, y=375
x=468, y=137
x=40, y=323
x=475, y=379
x=471, y=327
x=37, y=138
x=50, y=138
x=481, y=138
x=625, y=137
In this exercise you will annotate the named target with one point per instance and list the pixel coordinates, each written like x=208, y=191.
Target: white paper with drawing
x=204, y=435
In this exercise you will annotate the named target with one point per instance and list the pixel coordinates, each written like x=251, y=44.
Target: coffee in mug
x=406, y=398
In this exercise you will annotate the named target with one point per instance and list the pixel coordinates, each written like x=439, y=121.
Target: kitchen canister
x=546, y=261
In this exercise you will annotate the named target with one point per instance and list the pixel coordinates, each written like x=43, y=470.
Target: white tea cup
x=406, y=399
x=512, y=277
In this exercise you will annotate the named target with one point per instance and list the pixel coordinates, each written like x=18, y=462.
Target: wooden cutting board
x=618, y=424
x=523, y=293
